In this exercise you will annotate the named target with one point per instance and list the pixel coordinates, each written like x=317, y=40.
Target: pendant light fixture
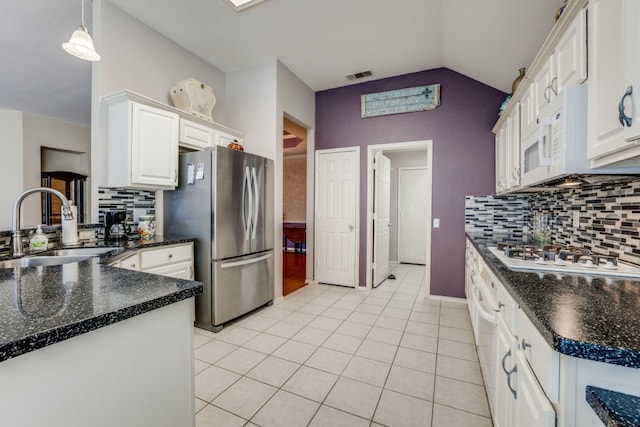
x=80, y=44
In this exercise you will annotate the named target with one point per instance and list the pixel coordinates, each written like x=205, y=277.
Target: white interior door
x=413, y=220
x=382, y=200
x=336, y=216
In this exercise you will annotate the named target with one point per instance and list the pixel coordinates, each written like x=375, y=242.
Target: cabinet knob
x=500, y=304
x=170, y=256
x=525, y=344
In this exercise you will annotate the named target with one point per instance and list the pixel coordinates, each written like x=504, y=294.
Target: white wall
x=138, y=58
x=26, y=134
x=400, y=159
x=298, y=102
x=11, y=172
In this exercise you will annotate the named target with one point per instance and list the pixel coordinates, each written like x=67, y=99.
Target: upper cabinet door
x=154, y=146
x=197, y=136
x=570, y=57
x=614, y=112
x=142, y=145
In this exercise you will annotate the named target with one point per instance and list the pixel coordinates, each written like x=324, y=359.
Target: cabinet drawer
x=508, y=309
x=181, y=270
x=196, y=135
x=129, y=263
x=544, y=361
x=151, y=258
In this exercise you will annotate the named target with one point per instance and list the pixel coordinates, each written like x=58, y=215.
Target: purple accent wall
x=463, y=150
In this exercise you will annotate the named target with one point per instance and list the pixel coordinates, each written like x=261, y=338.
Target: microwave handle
x=544, y=123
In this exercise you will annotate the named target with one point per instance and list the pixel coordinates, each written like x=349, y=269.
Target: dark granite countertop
x=40, y=306
x=613, y=408
x=593, y=318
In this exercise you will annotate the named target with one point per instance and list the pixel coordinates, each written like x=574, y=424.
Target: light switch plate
x=436, y=222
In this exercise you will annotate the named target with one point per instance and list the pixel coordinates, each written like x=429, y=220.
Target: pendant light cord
x=82, y=8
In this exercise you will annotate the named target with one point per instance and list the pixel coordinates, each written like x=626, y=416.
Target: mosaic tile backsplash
x=608, y=216
x=136, y=202
x=492, y=215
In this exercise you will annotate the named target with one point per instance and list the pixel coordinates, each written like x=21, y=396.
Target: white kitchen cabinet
x=566, y=66
x=544, y=361
x=506, y=377
x=614, y=72
x=508, y=153
x=529, y=120
x=174, y=261
x=131, y=262
x=142, y=144
x=196, y=136
x=532, y=409
x=225, y=138
x=501, y=160
x=570, y=56
x=171, y=260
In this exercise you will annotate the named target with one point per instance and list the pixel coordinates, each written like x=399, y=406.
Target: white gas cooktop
x=567, y=266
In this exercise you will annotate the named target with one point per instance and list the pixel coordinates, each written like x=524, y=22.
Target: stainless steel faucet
x=17, y=234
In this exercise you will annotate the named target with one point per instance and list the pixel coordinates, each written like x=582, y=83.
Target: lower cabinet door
x=533, y=409
x=506, y=377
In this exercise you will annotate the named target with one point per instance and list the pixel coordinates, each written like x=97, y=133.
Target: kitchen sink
x=80, y=251
x=42, y=261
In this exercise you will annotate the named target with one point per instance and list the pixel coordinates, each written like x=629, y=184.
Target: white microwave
x=558, y=147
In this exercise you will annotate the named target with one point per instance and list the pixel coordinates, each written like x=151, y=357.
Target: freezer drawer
x=241, y=285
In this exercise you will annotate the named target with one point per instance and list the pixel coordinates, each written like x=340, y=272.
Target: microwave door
x=536, y=155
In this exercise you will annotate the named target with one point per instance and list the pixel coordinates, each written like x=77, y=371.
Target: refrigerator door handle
x=246, y=203
x=245, y=262
x=256, y=208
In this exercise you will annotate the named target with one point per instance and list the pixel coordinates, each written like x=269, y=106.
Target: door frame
x=396, y=146
x=356, y=267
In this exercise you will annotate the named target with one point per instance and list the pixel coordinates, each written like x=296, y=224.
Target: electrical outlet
x=86, y=234
x=576, y=219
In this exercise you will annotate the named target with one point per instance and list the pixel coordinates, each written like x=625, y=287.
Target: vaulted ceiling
x=320, y=41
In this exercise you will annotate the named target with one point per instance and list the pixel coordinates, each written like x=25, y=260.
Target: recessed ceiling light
x=239, y=5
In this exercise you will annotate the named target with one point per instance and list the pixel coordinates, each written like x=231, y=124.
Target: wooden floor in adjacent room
x=293, y=272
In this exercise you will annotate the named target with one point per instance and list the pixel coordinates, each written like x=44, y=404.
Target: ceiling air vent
x=359, y=75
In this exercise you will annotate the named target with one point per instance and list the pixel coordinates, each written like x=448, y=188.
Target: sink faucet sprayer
x=17, y=234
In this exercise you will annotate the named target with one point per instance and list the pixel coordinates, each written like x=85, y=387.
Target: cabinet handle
x=547, y=94
x=525, y=344
x=133, y=265
x=511, y=372
x=554, y=85
x=624, y=119
x=175, y=176
x=191, y=272
x=500, y=304
x=504, y=359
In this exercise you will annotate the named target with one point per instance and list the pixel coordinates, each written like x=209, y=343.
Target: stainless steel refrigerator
x=225, y=199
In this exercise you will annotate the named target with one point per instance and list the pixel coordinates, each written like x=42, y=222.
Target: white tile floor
x=332, y=356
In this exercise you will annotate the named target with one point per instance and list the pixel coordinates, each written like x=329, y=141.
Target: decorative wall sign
x=407, y=100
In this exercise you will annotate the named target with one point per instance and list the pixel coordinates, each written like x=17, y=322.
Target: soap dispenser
x=39, y=241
